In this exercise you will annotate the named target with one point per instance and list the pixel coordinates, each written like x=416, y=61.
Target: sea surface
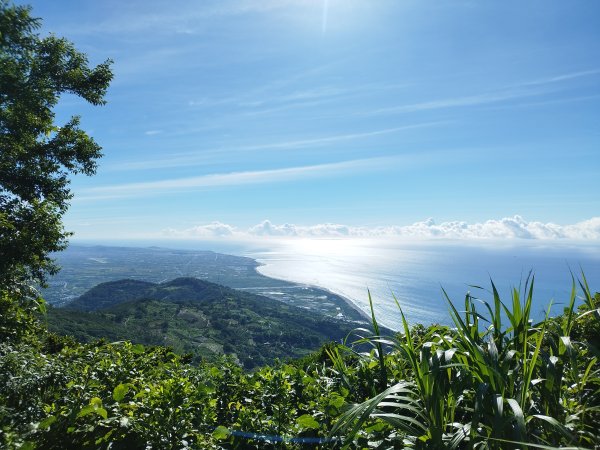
x=415, y=272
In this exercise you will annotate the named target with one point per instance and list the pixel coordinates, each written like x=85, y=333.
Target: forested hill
x=197, y=317
x=111, y=293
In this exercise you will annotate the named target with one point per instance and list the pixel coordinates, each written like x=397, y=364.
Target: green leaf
x=337, y=401
x=41, y=305
x=86, y=410
x=138, y=349
x=95, y=407
x=120, y=391
x=45, y=424
x=307, y=421
x=221, y=433
x=518, y=414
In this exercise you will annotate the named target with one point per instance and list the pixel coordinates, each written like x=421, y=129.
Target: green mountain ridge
x=109, y=294
x=197, y=317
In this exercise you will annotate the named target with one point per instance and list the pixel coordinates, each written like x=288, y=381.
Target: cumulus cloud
x=507, y=228
x=588, y=229
x=266, y=228
x=212, y=230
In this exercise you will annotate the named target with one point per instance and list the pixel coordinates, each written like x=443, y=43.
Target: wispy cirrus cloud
x=561, y=77
x=251, y=177
x=183, y=17
x=526, y=89
x=194, y=158
x=337, y=138
x=471, y=100
x=258, y=99
x=554, y=101
x=402, y=162
x=284, y=95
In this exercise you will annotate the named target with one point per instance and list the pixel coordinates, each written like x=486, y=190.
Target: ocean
x=416, y=272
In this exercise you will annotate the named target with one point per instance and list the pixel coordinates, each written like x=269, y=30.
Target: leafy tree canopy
x=36, y=154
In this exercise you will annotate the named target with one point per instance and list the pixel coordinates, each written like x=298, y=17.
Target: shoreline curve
x=347, y=301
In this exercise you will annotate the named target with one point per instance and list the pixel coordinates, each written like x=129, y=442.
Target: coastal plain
x=83, y=267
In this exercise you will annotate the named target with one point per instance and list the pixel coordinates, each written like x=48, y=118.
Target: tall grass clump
x=495, y=379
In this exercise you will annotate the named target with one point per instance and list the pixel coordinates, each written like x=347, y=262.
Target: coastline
x=84, y=267
x=347, y=302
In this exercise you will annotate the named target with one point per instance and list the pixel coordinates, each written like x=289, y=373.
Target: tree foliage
x=36, y=154
x=196, y=317
x=512, y=384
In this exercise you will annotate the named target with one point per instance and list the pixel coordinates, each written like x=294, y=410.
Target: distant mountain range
x=197, y=317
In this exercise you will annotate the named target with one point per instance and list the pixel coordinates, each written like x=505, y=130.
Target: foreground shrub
x=492, y=380
x=495, y=380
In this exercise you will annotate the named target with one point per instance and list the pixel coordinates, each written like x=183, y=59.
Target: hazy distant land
x=83, y=267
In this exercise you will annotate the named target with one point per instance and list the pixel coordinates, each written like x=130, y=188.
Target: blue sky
x=368, y=114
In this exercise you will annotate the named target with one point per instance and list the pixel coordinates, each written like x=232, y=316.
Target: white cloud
x=212, y=230
x=266, y=228
x=588, y=229
x=507, y=228
x=197, y=158
x=337, y=138
x=400, y=162
x=181, y=17
x=472, y=100
x=221, y=179
x=562, y=77
x=518, y=91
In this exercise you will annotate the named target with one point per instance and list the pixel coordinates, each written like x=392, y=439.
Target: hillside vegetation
x=196, y=317
x=493, y=380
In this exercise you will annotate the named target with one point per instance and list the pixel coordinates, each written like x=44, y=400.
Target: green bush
x=494, y=380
